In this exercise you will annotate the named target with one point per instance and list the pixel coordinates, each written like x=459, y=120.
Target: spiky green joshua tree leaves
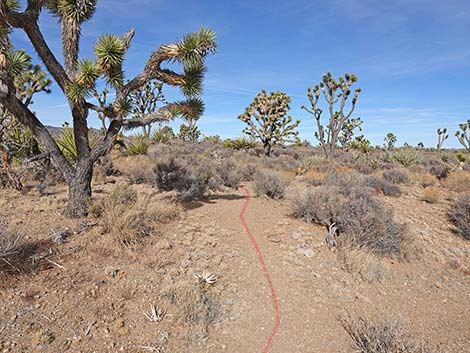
x=336, y=92
x=464, y=135
x=79, y=78
x=266, y=119
x=190, y=111
x=441, y=137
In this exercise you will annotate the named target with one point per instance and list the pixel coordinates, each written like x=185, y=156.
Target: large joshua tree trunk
x=80, y=190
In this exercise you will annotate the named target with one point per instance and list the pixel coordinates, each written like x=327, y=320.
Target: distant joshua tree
x=267, y=120
x=145, y=101
x=441, y=137
x=77, y=78
x=464, y=135
x=335, y=92
x=390, y=141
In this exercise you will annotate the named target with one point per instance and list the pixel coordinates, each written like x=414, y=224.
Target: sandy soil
x=86, y=295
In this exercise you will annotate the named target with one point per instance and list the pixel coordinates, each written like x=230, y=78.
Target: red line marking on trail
x=264, y=268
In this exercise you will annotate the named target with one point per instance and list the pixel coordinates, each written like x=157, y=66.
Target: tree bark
x=80, y=190
x=267, y=149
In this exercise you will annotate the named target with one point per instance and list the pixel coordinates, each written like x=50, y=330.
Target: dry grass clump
x=381, y=335
x=128, y=216
x=190, y=180
x=10, y=244
x=427, y=180
x=137, y=169
x=459, y=215
x=353, y=216
x=194, y=304
x=396, y=176
x=362, y=264
x=270, y=184
x=431, y=195
x=458, y=181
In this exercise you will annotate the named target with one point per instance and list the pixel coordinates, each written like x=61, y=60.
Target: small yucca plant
x=66, y=142
x=137, y=146
x=241, y=143
x=162, y=135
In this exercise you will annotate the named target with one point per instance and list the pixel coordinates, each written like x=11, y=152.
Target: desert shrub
x=362, y=264
x=138, y=146
x=314, y=177
x=191, y=181
x=229, y=173
x=430, y=195
x=138, y=169
x=439, y=169
x=427, y=180
x=406, y=156
x=381, y=185
x=194, y=304
x=396, y=176
x=355, y=214
x=128, y=216
x=458, y=181
x=459, y=215
x=104, y=167
x=9, y=244
x=270, y=184
x=381, y=335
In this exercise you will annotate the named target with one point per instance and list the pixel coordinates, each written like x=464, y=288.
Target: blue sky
x=411, y=56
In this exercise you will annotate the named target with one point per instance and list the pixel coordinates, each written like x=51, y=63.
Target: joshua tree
x=145, y=101
x=347, y=133
x=464, y=135
x=441, y=137
x=267, y=121
x=334, y=91
x=15, y=141
x=390, y=141
x=77, y=78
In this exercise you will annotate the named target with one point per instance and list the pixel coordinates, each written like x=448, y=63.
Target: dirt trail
x=303, y=327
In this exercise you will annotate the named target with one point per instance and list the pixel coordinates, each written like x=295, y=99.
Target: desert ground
x=90, y=284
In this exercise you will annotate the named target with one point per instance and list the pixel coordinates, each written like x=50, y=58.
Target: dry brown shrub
x=431, y=195
x=194, y=304
x=362, y=264
x=427, y=180
x=137, y=169
x=128, y=216
x=458, y=181
x=381, y=334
